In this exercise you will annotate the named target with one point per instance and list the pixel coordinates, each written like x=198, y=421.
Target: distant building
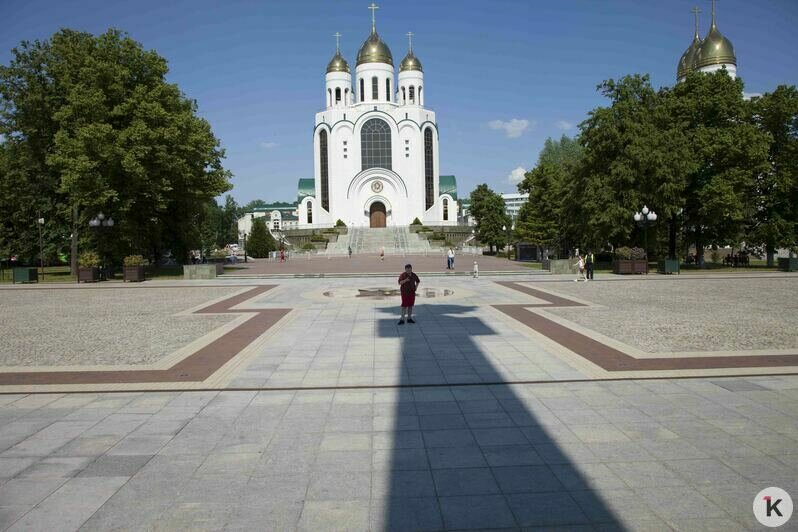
x=513, y=203
x=278, y=217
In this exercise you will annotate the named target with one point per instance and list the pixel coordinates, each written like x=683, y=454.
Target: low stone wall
x=199, y=271
x=562, y=266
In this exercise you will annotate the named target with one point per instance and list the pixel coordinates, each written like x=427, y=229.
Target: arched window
x=337, y=94
x=388, y=89
x=329, y=97
x=429, y=185
x=346, y=96
x=310, y=212
x=420, y=101
x=412, y=94
x=325, y=181
x=375, y=84
x=404, y=96
x=445, y=209
x=375, y=144
x=362, y=91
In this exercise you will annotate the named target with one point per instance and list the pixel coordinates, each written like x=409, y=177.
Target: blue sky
x=256, y=67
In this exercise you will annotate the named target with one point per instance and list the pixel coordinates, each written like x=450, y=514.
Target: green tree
x=488, y=210
x=260, y=242
x=544, y=218
x=775, y=219
x=92, y=125
x=730, y=153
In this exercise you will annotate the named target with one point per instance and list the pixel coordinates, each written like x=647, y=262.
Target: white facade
x=375, y=148
x=513, y=203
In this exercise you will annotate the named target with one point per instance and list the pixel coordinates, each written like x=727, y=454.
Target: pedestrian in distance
x=476, y=270
x=450, y=259
x=282, y=255
x=350, y=251
x=590, y=261
x=408, y=283
x=382, y=254
x=580, y=268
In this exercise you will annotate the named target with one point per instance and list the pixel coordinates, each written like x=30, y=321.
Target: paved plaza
x=514, y=402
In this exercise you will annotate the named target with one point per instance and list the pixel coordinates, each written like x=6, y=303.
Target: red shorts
x=408, y=300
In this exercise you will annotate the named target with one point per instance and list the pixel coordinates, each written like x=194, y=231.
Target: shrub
x=308, y=246
x=89, y=259
x=638, y=253
x=317, y=238
x=715, y=256
x=218, y=254
x=623, y=253
x=438, y=236
x=134, y=260
x=416, y=221
x=340, y=223
x=260, y=242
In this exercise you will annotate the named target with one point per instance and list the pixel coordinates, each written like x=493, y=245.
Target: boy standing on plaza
x=408, y=282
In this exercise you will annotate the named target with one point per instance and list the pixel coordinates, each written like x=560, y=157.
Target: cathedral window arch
x=329, y=97
x=362, y=90
x=375, y=144
x=429, y=174
x=338, y=95
x=404, y=96
x=388, y=89
x=375, y=86
x=420, y=101
x=412, y=94
x=324, y=170
x=346, y=98
x=309, y=206
x=445, y=209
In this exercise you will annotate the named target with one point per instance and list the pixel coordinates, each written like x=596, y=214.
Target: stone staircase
x=366, y=240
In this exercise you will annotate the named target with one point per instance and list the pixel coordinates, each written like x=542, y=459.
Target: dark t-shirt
x=409, y=288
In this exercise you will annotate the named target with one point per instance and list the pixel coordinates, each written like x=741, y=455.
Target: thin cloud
x=516, y=176
x=563, y=124
x=512, y=128
x=268, y=145
x=749, y=95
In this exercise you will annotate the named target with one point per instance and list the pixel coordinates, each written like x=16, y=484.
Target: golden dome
x=410, y=62
x=338, y=64
x=374, y=51
x=715, y=50
x=687, y=62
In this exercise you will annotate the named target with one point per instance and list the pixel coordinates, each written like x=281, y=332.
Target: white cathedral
x=375, y=147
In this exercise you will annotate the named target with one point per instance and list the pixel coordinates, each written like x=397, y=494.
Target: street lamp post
x=644, y=218
x=40, y=223
x=99, y=222
x=509, y=233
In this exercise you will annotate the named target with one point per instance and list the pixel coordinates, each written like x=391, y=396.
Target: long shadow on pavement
x=473, y=457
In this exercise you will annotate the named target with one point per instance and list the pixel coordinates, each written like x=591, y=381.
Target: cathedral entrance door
x=377, y=215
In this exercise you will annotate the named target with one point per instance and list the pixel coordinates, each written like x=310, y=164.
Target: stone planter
x=25, y=275
x=561, y=266
x=788, y=264
x=668, y=266
x=200, y=271
x=88, y=275
x=134, y=274
x=628, y=266
x=218, y=264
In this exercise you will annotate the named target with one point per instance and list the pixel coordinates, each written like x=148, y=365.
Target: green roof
x=280, y=206
x=306, y=187
x=447, y=184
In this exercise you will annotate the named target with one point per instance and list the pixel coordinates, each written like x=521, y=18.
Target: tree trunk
x=699, y=247
x=770, y=250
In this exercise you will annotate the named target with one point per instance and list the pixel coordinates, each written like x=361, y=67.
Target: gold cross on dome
x=337, y=41
x=695, y=12
x=374, y=7
x=410, y=39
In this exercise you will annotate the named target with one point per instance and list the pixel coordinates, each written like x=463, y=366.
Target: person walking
x=349, y=249
x=476, y=270
x=580, y=268
x=382, y=254
x=590, y=264
x=282, y=255
x=408, y=283
x=450, y=259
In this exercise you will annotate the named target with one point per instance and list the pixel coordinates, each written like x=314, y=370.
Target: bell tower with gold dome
x=709, y=54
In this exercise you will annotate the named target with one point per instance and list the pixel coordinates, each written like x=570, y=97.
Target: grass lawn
x=60, y=274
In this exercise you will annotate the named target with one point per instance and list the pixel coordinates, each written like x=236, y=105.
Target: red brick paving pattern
x=612, y=359
x=195, y=368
